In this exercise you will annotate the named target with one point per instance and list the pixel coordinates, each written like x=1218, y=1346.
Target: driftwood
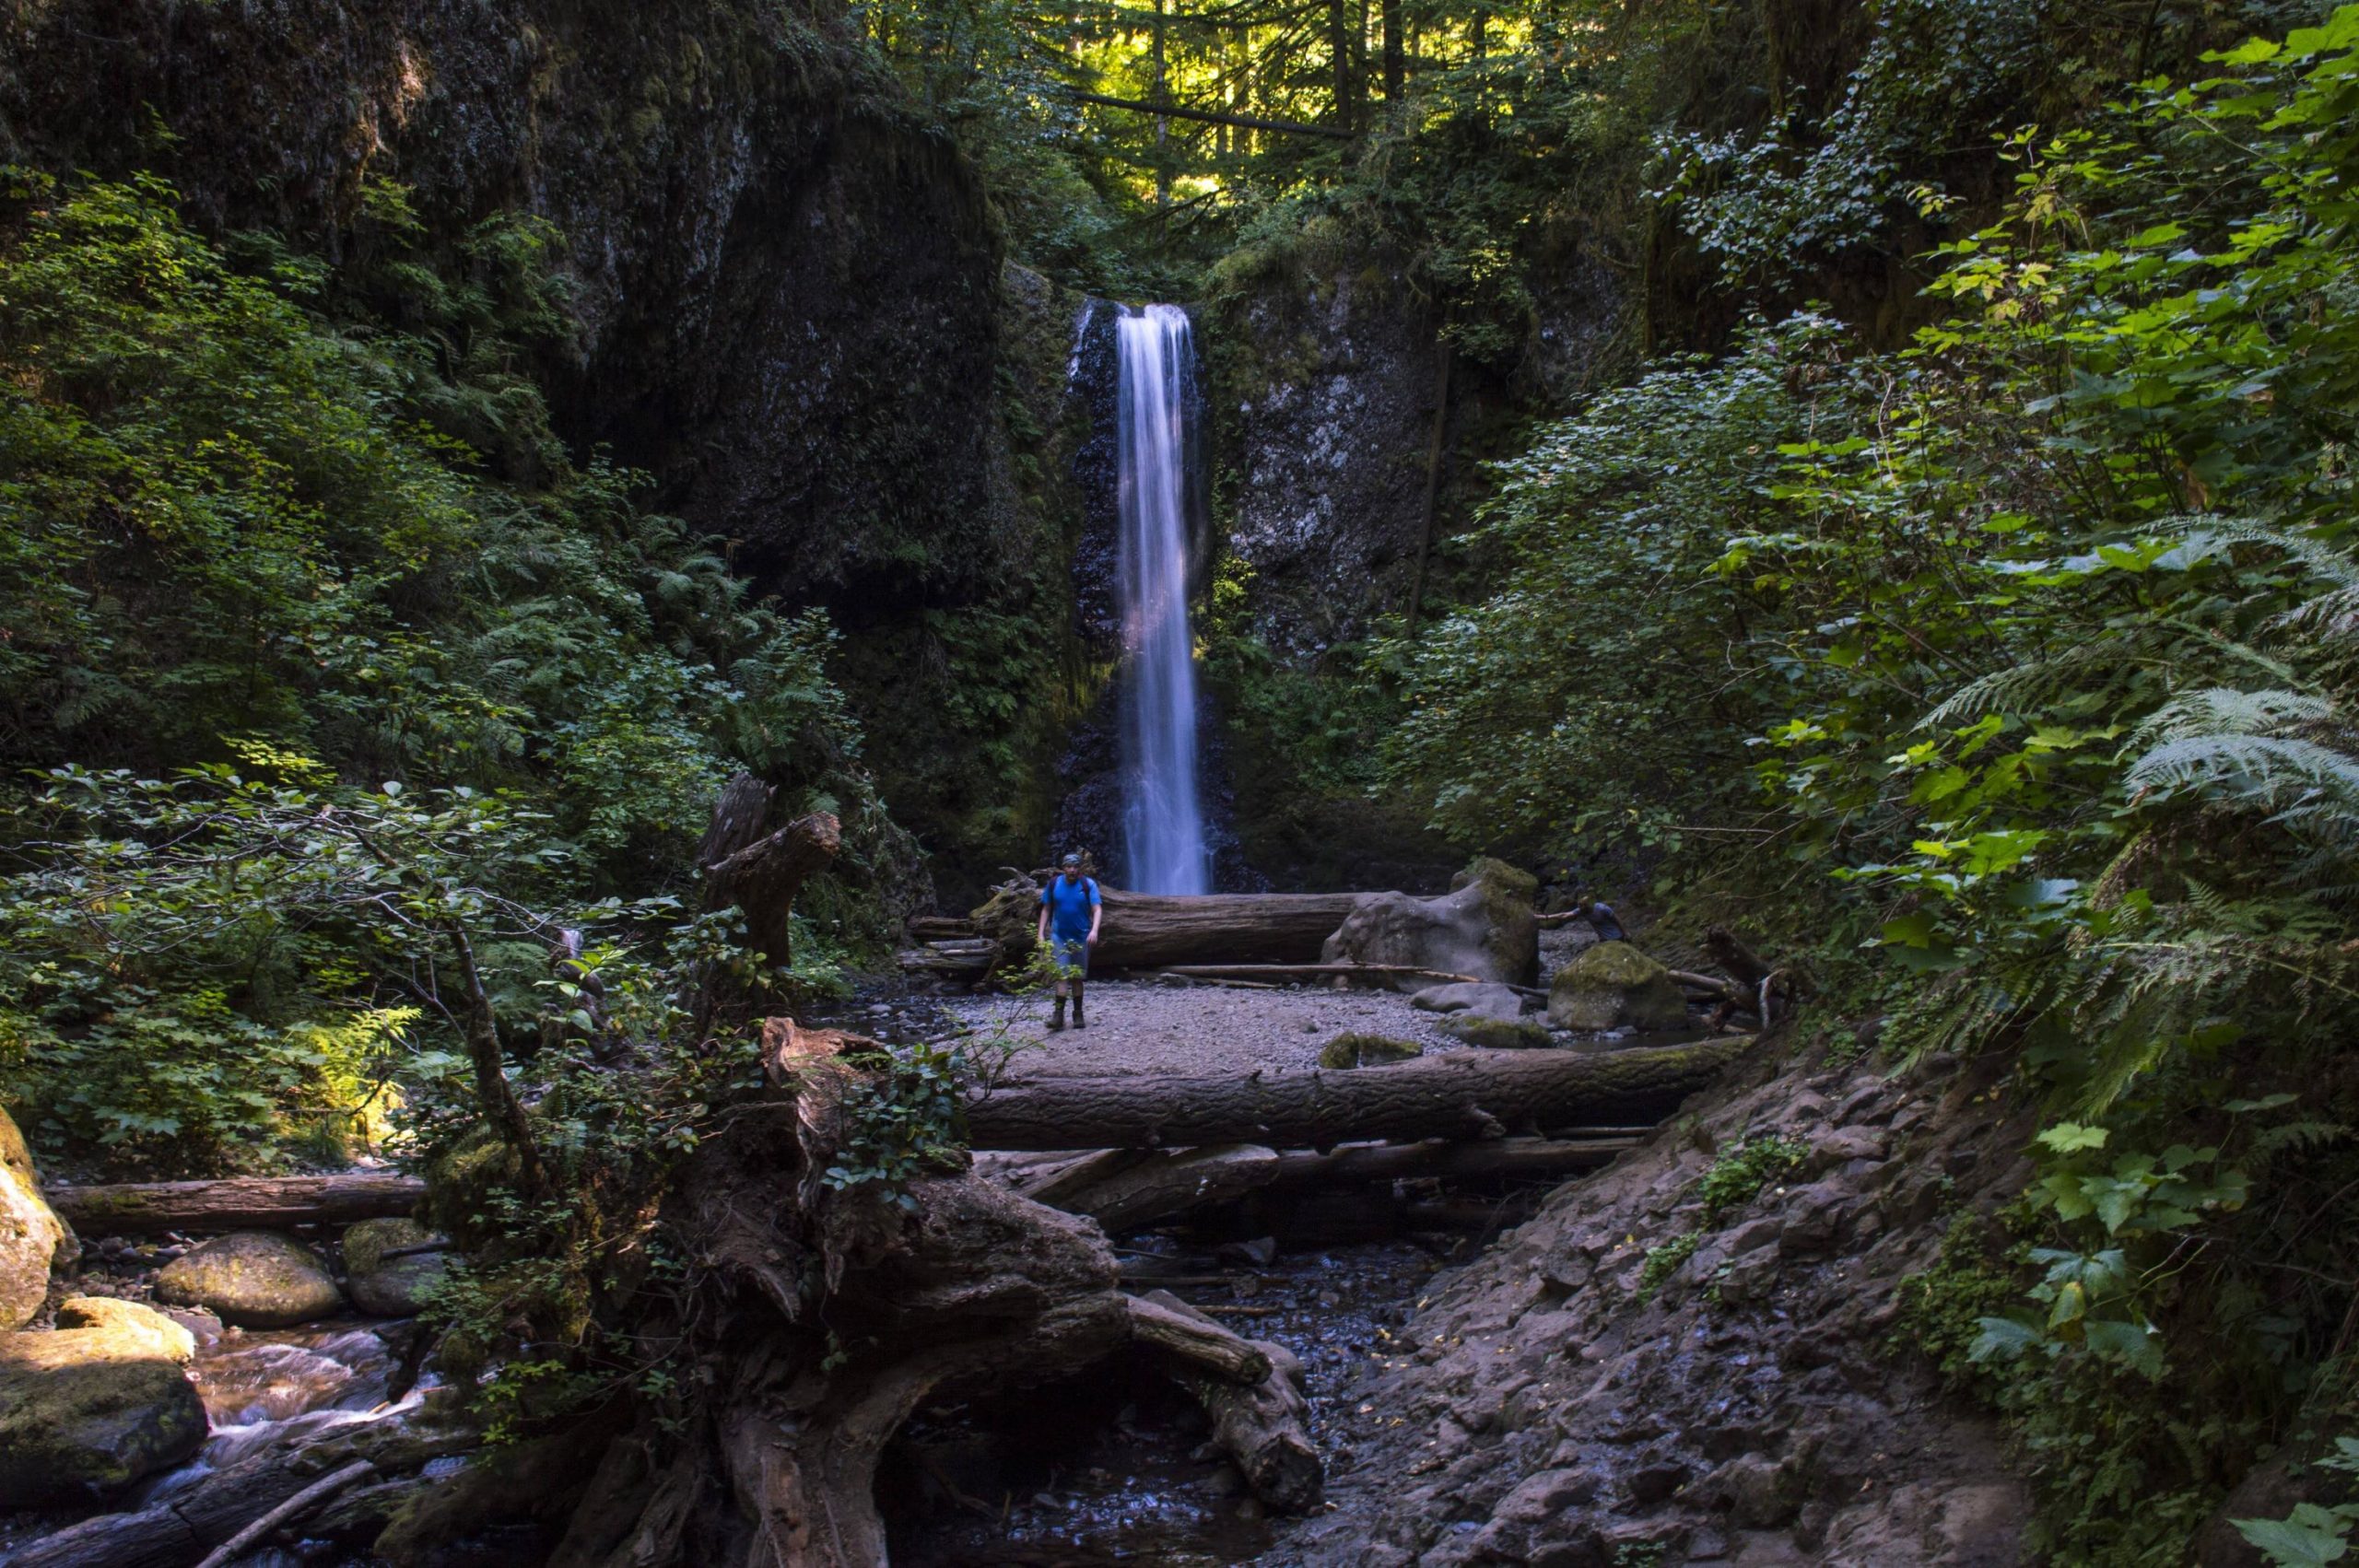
x=1196, y=1344
x=295, y=1508
x=1452, y=1095
x=1262, y=1426
x=221, y=1504
x=1712, y=985
x=236, y=1204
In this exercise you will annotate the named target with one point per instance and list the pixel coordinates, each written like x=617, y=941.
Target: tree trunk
x=1145, y=930
x=1532, y=1159
x=236, y=1204
x=1453, y=1096
x=1339, y=45
x=1395, y=57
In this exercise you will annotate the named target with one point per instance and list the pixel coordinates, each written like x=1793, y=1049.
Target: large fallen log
x=1316, y=972
x=1456, y=1095
x=1145, y=930
x=1124, y=1188
x=236, y=1204
x=1535, y=1159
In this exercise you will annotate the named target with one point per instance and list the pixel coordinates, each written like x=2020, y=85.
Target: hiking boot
x=1057, y=1019
x=1078, y=1022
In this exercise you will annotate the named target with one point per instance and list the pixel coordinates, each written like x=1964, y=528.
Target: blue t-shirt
x=1069, y=905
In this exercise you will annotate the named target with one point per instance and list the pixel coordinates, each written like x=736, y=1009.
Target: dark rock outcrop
x=783, y=281
x=1553, y=1406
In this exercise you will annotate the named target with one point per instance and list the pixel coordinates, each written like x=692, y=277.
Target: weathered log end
x=1264, y=1426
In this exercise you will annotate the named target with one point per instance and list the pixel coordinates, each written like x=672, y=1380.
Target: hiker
x=1070, y=909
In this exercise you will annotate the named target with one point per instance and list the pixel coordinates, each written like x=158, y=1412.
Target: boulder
x=95, y=1404
x=31, y=1236
x=391, y=1287
x=1615, y=986
x=132, y=1328
x=1484, y=928
x=1480, y=1000
x=254, y=1278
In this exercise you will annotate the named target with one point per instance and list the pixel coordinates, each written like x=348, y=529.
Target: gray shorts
x=1071, y=954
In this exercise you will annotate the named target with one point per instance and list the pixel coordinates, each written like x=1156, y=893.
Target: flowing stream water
x=1163, y=824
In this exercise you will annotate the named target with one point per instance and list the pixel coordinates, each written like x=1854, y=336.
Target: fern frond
x=2223, y=710
x=2266, y=765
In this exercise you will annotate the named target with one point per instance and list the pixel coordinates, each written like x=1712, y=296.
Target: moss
x=1353, y=1048
x=1500, y=1033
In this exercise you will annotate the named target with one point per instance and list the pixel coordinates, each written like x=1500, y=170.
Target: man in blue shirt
x=1070, y=910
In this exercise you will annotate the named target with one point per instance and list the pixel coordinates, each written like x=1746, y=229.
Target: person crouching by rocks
x=1070, y=910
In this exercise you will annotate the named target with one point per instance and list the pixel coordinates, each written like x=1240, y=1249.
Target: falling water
x=1163, y=829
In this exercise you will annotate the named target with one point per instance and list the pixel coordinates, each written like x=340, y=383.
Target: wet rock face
x=93, y=1405
x=783, y=282
x=31, y=1236
x=1613, y=986
x=1326, y=412
x=1548, y=1407
x=252, y=1278
x=391, y=1287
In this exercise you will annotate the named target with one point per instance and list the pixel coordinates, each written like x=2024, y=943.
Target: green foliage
x=225, y=512
x=1663, y=1260
x=1738, y=1176
x=245, y=517
x=1734, y=1179
x=1545, y=715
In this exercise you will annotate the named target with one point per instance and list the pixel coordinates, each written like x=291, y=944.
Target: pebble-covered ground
x=1154, y=1027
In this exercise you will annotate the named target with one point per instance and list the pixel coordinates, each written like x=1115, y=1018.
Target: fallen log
x=1148, y=930
x=1508, y=1158
x=1455, y=1094
x=1313, y=972
x=236, y=1204
x=1264, y=1426
x=1124, y=1189
x=1712, y=985
x=1194, y=1341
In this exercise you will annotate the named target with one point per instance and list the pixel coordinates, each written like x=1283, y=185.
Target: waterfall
x=1163, y=825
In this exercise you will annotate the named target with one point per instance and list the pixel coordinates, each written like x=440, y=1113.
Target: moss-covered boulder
x=31, y=1236
x=254, y=1278
x=1355, y=1048
x=93, y=1405
x=1498, y=1033
x=1483, y=929
x=1615, y=986
x=131, y=1327
x=391, y=1287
